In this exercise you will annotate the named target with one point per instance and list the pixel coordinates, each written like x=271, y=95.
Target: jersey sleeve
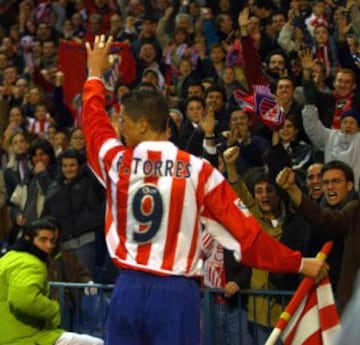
x=258, y=249
x=100, y=136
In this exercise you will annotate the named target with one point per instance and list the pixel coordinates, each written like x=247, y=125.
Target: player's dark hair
x=149, y=104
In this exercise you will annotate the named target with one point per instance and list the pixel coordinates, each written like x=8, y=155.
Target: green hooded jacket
x=28, y=315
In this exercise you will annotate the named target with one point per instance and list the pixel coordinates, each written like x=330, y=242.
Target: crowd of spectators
x=201, y=54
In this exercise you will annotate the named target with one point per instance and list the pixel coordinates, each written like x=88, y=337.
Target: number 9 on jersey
x=147, y=209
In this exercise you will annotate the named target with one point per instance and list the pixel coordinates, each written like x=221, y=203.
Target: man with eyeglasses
x=335, y=218
x=337, y=180
x=338, y=183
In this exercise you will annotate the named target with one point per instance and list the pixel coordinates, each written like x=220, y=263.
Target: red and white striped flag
x=316, y=321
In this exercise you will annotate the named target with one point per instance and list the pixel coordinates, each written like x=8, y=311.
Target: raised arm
x=222, y=205
x=230, y=156
x=97, y=126
x=335, y=222
x=286, y=180
x=314, y=128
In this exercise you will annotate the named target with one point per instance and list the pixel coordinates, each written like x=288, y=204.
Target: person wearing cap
x=337, y=144
x=151, y=75
x=28, y=315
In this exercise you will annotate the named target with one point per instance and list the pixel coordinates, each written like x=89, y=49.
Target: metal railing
x=84, y=307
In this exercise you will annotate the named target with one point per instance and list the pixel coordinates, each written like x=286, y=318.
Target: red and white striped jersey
x=156, y=195
x=38, y=126
x=214, y=269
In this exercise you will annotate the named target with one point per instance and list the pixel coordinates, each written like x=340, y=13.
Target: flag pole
x=295, y=301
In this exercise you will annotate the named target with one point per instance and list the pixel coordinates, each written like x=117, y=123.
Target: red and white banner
x=72, y=62
x=267, y=108
x=316, y=321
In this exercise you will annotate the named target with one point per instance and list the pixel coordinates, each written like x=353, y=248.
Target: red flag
x=72, y=62
x=316, y=321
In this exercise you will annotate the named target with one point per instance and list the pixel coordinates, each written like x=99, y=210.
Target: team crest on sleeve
x=241, y=206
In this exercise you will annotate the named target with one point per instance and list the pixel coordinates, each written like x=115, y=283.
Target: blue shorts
x=146, y=309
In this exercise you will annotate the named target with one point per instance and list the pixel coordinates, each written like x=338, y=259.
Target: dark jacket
x=30, y=204
x=64, y=266
x=297, y=156
x=239, y=274
x=12, y=173
x=345, y=225
x=323, y=100
x=190, y=138
x=251, y=152
x=78, y=205
x=317, y=238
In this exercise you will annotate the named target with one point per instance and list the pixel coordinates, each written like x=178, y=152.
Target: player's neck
x=155, y=136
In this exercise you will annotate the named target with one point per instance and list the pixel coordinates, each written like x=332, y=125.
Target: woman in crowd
x=77, y=142
x=27, y=199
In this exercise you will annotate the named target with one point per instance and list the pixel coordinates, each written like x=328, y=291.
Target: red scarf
x=341, y=105
x=323, y=55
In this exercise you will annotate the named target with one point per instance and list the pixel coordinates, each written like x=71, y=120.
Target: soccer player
x=156, y=195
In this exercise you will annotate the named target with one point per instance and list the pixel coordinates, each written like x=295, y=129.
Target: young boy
x=40, y=124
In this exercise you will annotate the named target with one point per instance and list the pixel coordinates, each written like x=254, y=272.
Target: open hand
x=207, y=122
x=306, y=58
x=98, y=58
